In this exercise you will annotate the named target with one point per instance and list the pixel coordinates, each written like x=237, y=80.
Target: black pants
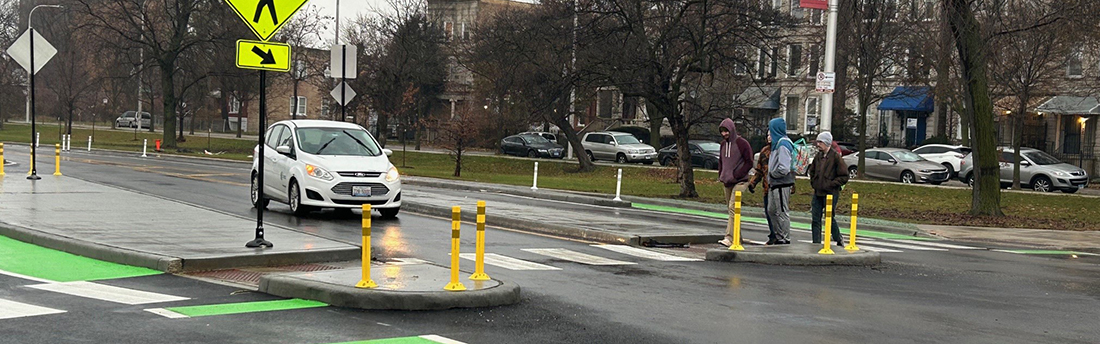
x=817, y=211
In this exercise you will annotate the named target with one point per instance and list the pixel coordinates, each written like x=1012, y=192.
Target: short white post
x=36, y=137
x=68, y=142
x=144, y=146
x=619, y=185
x=89, y=143
x=535, y=181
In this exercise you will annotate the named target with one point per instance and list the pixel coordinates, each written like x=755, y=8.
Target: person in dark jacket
x=780, y=180
x=734, y=163
x=827, y=175
x=760, y=177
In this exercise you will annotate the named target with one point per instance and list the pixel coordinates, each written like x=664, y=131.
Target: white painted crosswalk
x=107, y=293
x=644, y=253
x=576, y=257
x=509, y=262
x=12, y=310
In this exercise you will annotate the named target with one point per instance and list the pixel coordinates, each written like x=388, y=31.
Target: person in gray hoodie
x=734, y=163
x=780, y=180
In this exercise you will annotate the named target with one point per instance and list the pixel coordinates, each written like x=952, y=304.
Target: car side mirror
x=387, y=151
x=284, y=150
x=613, y=143
x=1025, y=163
x=892, y=161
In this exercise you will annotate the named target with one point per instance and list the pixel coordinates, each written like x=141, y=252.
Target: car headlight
x=925, y=171
x=317, y=172
x=392, y=174
x=1061, y=174
x=542, y=151
x=635, y=151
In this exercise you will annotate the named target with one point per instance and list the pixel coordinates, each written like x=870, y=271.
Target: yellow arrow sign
x=265, y=17
x=263, y=56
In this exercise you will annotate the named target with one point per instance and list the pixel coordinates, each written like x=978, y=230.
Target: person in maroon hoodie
x=734, y=163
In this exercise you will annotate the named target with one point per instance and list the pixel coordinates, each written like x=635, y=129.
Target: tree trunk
x=458, y=161
x=864, y=100
x=574, y=141
x=968, y=40
x=655, y=122
x=384, y=129
x=167, y=84
x=683, y=154
x=1018, y=136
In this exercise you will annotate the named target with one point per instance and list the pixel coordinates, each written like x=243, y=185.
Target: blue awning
x=905, y=98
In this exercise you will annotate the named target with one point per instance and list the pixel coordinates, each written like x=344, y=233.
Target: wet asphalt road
x=974, y=296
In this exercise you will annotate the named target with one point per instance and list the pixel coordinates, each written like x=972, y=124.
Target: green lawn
x=890, y=201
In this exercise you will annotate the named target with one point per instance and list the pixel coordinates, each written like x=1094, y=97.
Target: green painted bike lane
x=763, y=221
x=43, y=263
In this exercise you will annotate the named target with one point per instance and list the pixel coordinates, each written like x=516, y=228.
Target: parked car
x=703, y=154
x=618, y=146
x=530, y=145
x=129, y=119
x=312, y=164
x=946, y=155
x=1038, y=170
x=847, y=147
x=548, y=136
x=897, y=164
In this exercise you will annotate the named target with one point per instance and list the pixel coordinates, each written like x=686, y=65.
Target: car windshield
x=626, y=139
x=1042, y=158
x=907, y=156
x=535, y=139
x=337, y=141
x=710, y=146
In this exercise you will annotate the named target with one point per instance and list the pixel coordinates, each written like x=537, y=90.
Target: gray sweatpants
x=779, y=209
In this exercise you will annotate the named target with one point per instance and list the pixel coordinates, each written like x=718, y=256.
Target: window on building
x=928, y=10
x=777, y=4
x=796, y=9
x=890, y=10
x=761, y=63
x=813, y=112
x=817, y=17
x=792, y=112
x=465, y=34
x=234, y=105
x=740, y=66
x=815, y=60
x=448, y=29
x=301, y=110
x=1074, y=67
x=774, y=71
x=794, y=60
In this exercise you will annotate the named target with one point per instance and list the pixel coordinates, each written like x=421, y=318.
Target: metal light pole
x=34, y=150
x=826, y=122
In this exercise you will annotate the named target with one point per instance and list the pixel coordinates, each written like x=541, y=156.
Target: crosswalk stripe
x=643, y=253
x=12, y=310
x=107, y=293
x=863, y=247
x=16, y=275
x=166, y=313
x=508, y=262
x=942, y=245
x=441, y=339
x=573, y=256
x=905, y=246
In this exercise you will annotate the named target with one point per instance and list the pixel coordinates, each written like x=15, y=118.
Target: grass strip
x=40, y=262
x=245, y=307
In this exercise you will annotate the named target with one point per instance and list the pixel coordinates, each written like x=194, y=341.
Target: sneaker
x=782, y=242
x=725, y=242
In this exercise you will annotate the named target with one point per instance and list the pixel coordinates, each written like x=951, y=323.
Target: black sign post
x=259, y=241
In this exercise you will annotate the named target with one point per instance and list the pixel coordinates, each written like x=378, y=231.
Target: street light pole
x=34, y=150
x=826, y=121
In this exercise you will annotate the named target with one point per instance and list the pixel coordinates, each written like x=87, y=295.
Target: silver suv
x=1038, y=170
x=618, y=146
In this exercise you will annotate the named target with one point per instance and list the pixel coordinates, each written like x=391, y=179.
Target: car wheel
x=950, y=170
x=620, y=158
x=970, y=180
x=389, y=213
x=710, y=165
x=532, y=154
x=853, y=172
x=256, y=202
x=590, y=157
x=295, y=199
x=1041, y=184
x=907, y=177
x=666, y=161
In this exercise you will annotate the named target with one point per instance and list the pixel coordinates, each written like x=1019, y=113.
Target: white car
x=312, y=164
x=129, y=119
x=946, y=155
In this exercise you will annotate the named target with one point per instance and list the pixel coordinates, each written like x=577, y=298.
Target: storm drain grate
x=251, y=276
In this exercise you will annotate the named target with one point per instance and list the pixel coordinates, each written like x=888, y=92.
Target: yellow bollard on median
x=479, y=259
x=57, y=159
x=828, y=249
x=456, y=223
x=736, y=245
x=366, y=282
x=1, y=158
x=852, y=236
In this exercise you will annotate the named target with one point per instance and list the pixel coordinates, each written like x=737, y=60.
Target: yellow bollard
x=1, y=158
x=366, y=282
x=852, y=236
x=479, y=259
x=828, y=249
x=57, y=159
x=736, y=245
x=456, y=222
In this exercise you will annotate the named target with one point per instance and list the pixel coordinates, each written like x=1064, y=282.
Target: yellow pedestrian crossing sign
x=263, y=55
x=265, y=17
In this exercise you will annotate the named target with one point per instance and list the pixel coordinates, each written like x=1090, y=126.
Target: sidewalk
x=96, y=221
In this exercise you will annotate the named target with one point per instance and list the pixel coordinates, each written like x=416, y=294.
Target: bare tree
x=12, y=75
x=459, y=134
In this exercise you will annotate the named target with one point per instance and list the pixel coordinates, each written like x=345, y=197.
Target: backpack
x=803, y=153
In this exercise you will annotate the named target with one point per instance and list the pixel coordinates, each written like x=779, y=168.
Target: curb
x=762, y=256
x=555, y=195
x=93, y=250
x=525, y=225
x=349, y=296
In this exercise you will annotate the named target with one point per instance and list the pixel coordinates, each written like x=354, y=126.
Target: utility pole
x=826, y=122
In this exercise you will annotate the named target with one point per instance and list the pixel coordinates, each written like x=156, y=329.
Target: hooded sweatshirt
x=734, y=157
x=779, y=165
